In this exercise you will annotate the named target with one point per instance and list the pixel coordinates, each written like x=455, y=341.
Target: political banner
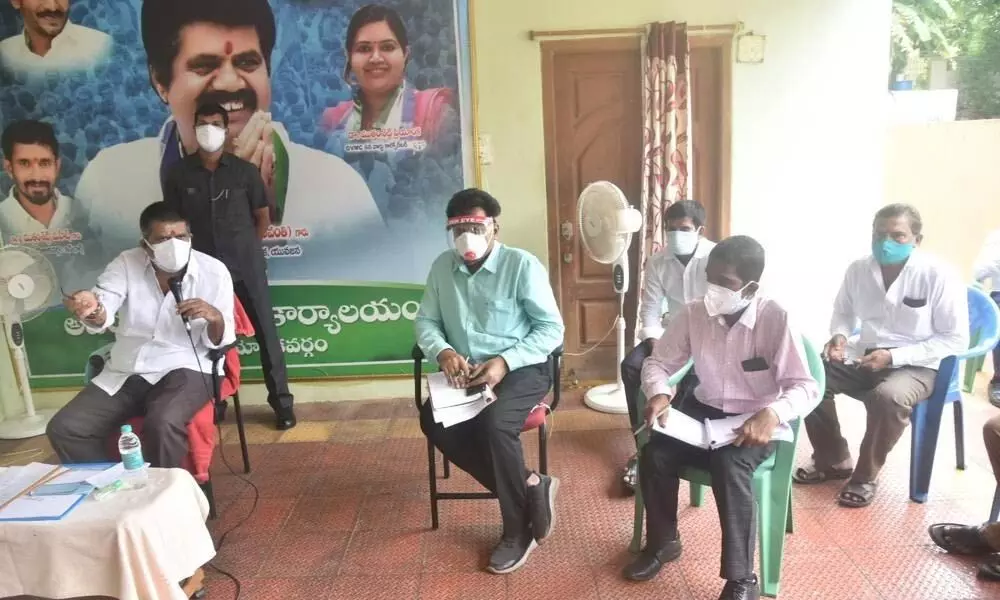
x=356, y=114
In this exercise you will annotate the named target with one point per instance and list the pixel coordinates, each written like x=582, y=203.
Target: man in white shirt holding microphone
x=913, y=312
x=174, y=305
x=674, y=276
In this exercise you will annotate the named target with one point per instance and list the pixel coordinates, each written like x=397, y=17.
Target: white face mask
x=724, y=301
x=682, y=243
x=210, y=137
x=171, y=256
x=471, y=246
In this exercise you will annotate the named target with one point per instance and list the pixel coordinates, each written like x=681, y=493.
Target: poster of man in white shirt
x=50, y=41
x=219, y=52
x=34, y=212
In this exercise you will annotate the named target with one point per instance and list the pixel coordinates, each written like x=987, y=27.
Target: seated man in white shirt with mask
x=913, y=311
x=674, y=276
x=158, y=367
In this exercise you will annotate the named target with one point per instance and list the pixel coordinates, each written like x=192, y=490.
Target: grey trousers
x=79, y=432
x=889, y=397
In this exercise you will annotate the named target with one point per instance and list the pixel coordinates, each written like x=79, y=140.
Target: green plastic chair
x=772, y=483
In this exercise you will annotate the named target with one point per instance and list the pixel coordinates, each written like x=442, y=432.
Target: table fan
x=27, y=288
x=607, y=222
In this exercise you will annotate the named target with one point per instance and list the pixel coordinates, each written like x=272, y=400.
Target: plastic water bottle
x=130, y=449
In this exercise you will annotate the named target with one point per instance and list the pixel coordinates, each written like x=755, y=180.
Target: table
x=133, y=545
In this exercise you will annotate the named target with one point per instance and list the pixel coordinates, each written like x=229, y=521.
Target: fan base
x=608, y=398
x=24, y=427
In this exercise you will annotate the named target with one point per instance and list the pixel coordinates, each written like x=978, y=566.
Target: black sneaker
x=542, y=505
x=284, y=419
x=744, y=589
x=510, y=555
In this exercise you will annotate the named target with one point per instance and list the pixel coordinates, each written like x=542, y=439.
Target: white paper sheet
x=39, y=507
x=14, y=480
x=683, y=428
x=443, y=395
x=720, y=431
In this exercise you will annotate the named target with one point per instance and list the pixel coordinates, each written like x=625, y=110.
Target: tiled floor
x=343, y=513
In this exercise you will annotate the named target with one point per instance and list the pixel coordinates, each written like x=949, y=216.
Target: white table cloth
x=133, y=545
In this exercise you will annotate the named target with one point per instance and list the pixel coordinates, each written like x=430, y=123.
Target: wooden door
x=593, y=131
x=710, y=62
x=593, y=118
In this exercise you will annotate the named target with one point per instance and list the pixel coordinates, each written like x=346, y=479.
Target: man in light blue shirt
x=488, y=316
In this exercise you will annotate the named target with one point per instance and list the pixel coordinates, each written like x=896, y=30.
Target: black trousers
x=255, y=296
x=488, y=447
x=79, y=432
x=732, y=470
x=632, y=380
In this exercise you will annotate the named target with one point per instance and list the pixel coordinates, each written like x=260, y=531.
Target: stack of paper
x=712, y=433
x=17, y=503
x=451, y=405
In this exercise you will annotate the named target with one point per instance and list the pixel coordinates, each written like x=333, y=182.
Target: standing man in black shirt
x=224, y=199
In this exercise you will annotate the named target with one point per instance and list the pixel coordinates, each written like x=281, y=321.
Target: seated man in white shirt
x=674, y=276
x=988, y=267
x=49, y=42
x=913, y=312
x=158, y=367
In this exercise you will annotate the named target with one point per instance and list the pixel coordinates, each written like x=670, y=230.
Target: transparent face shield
x=469, y=237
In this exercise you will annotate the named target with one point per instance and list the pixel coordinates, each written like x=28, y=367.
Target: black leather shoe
x=285, y=419
x=744, y=589
x=542, y=504
x=650, y=561
x=510, y=555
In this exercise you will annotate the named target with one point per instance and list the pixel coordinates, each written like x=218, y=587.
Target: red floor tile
x=350, y=518
x=463, y=586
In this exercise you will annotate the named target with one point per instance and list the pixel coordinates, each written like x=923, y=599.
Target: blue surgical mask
x=891, y=252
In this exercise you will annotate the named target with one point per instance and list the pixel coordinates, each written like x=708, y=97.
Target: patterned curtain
x=666, y=144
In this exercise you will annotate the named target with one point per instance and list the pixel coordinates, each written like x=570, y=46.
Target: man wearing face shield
x=674, y=276
x=159, y=365
x=750, y=362
x=224, y=199
x=489, y=316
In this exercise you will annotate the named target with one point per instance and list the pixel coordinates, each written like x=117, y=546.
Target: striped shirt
x=757, y=363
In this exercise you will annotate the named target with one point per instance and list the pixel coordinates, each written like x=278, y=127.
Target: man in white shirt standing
x=913, y=312
x=988, y=267
x=159, y=365
x=219, y=52
x=49, y=42
x=35, y=213
x=674, y=276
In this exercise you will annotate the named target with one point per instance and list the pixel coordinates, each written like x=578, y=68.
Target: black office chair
x=536, y=420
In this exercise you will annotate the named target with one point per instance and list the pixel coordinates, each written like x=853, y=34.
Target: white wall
x=808, y=126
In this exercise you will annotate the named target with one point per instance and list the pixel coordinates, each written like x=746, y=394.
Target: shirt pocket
x=761, y=383
x=235, y=211
x=913, y=317
x=496, y=316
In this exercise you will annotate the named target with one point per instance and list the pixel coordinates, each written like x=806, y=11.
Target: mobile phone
x=476, y=389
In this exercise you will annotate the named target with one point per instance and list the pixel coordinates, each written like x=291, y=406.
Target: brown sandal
x=813, y=476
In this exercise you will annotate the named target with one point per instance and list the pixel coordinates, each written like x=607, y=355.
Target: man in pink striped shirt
x=749, y=360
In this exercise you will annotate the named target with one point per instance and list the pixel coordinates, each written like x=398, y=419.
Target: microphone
x=175, y=289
